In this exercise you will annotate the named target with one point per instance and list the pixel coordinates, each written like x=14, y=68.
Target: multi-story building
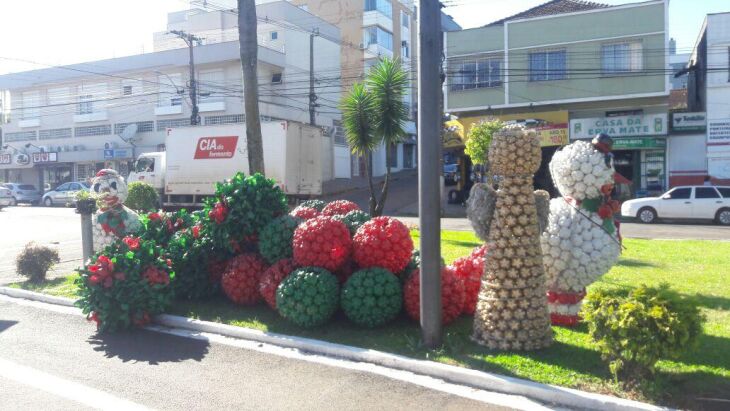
x=573, y=68
x=707, y=152
x=372, y=29
x=64, y=123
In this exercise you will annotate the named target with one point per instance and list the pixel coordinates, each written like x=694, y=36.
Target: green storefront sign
x=636, y=143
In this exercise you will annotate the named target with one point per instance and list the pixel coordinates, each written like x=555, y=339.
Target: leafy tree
x=375, y=113
x=479, y=138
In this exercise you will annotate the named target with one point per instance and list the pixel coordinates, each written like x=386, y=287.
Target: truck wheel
x=723, y=216
x=647, y=215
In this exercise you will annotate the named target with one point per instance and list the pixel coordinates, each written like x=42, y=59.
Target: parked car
x=6, y=197
x=23, y=193
x=686, y=202
x=65, y=193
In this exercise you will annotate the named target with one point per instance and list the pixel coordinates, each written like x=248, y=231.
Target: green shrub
x=35, y=261
x=635, y=329
x=142, y=197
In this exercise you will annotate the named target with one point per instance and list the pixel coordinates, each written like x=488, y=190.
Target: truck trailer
x=198, y=157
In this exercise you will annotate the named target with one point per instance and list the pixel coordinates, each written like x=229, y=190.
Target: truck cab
x=150, y=168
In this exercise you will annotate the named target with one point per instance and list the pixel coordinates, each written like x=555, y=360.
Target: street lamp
x=29, y=145
x=6, y=146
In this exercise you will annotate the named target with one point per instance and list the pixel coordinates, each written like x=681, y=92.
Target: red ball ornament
x=322, y=242
x=240, y=280
x=383, y=242
x=272, y=277
x=469, y=270
x=452, y=296
x=339, y=207
x=305, y=213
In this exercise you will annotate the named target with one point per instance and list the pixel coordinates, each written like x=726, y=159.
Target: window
x=126, y=90
x=724, y=191
x=405, y=50
x=145, y=165
x=274, y=35
x=339, y=133
x=88, y=131
x=170, y=87
x=621, y=57
x=225, y=119
x=75, y=186
x=63, y=187
x=86, y=104
x=55, y=133
x=31, y=100
x=405, y=19
x=481, y=73
x=276, y=78
x=679, y=194
x=547, y=65
x=211, y=83
x=706, y=192
x=58, y=96
x=376, y=35
x=383, y=6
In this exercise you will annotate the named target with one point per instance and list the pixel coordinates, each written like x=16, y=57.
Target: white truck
x=196, y=158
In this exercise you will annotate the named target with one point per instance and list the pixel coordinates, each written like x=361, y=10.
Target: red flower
x=168, y=262
x=196, y=231
x=94, y=279
x=615, y=205
x=156, y=276
x=218, y=213
x=154, y=217
x=131, y=242
x=606, y=189
x=605, y=211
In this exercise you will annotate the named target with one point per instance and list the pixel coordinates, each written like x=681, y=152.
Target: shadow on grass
x=460, y=243
x=711, y=301
x=697, y=390
x=32, y=286
x=149, y=347
x=628, y=262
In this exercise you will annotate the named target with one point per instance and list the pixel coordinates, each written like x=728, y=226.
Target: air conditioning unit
x=44, y=149
x=109, y=145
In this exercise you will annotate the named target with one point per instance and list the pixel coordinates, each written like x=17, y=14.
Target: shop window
x=706, y=192
x=679, y=194
x=548, y=65
x=621, y=57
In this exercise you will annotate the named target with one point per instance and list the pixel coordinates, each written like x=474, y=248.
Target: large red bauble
x=383, y=242
x=322, y=242
x=241, y=278
x=272, y=277
x=339, y=207
x=305, y=213
x=452, y=296
x=469, y=270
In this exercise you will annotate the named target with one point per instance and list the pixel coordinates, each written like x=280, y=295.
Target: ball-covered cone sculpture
x=308, y=297
x=372, y=297
x=512, y=311
x=580, y=243
x=276, y=237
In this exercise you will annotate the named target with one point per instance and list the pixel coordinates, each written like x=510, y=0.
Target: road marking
x=64, y=388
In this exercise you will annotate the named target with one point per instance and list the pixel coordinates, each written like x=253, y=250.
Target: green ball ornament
x=308, y=297
x=275, y=239
x=354, y=219
x=315, y=204
x=372, y=297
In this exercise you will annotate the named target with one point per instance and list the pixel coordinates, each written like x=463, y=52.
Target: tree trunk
x=384, y=190
x=249, y=57
x=368, y=172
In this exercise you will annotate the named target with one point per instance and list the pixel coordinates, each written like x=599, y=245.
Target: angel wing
x=480, y=209
x=542, y=204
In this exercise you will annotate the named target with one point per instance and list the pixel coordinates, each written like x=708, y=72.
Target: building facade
x=66, y=123
x=574, y=69
x=709, y=96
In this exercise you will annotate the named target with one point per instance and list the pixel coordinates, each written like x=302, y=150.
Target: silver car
x=6, y=197
x=23, y=193
x=65, y=193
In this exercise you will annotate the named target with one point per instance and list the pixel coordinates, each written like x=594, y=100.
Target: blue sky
x=73, y=31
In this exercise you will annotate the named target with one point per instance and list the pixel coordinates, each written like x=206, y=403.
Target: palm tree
x=358, y=112
x=375, y=113
x=388, y=83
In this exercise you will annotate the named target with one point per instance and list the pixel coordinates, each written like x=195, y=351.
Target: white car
x=685, y=202
x=6, y=197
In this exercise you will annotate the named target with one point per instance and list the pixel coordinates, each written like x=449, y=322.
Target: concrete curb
x=549, y=394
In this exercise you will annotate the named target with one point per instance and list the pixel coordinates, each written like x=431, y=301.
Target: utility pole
x=429, y=148
x=248, y=45
x=190, y=40
x=312, y=95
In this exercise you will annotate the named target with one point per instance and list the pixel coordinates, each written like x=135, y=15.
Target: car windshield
x=26, y=187
x=85, y=184
x=145, y=164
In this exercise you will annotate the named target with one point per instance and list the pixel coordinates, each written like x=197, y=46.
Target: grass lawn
x=697, y=269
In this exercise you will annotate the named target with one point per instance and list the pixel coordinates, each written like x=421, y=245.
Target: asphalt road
x=59, y=228
x=54, y=360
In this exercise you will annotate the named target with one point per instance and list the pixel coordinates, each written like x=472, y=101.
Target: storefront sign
x=45, y=157
x=689, y=121
x=622, y=126
x=110, y=154
x=555, y=135
x=216, y=147
x=6, y=158
x=637, y=143
x=718, y=167
x=718, y=132
x=22, y=159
